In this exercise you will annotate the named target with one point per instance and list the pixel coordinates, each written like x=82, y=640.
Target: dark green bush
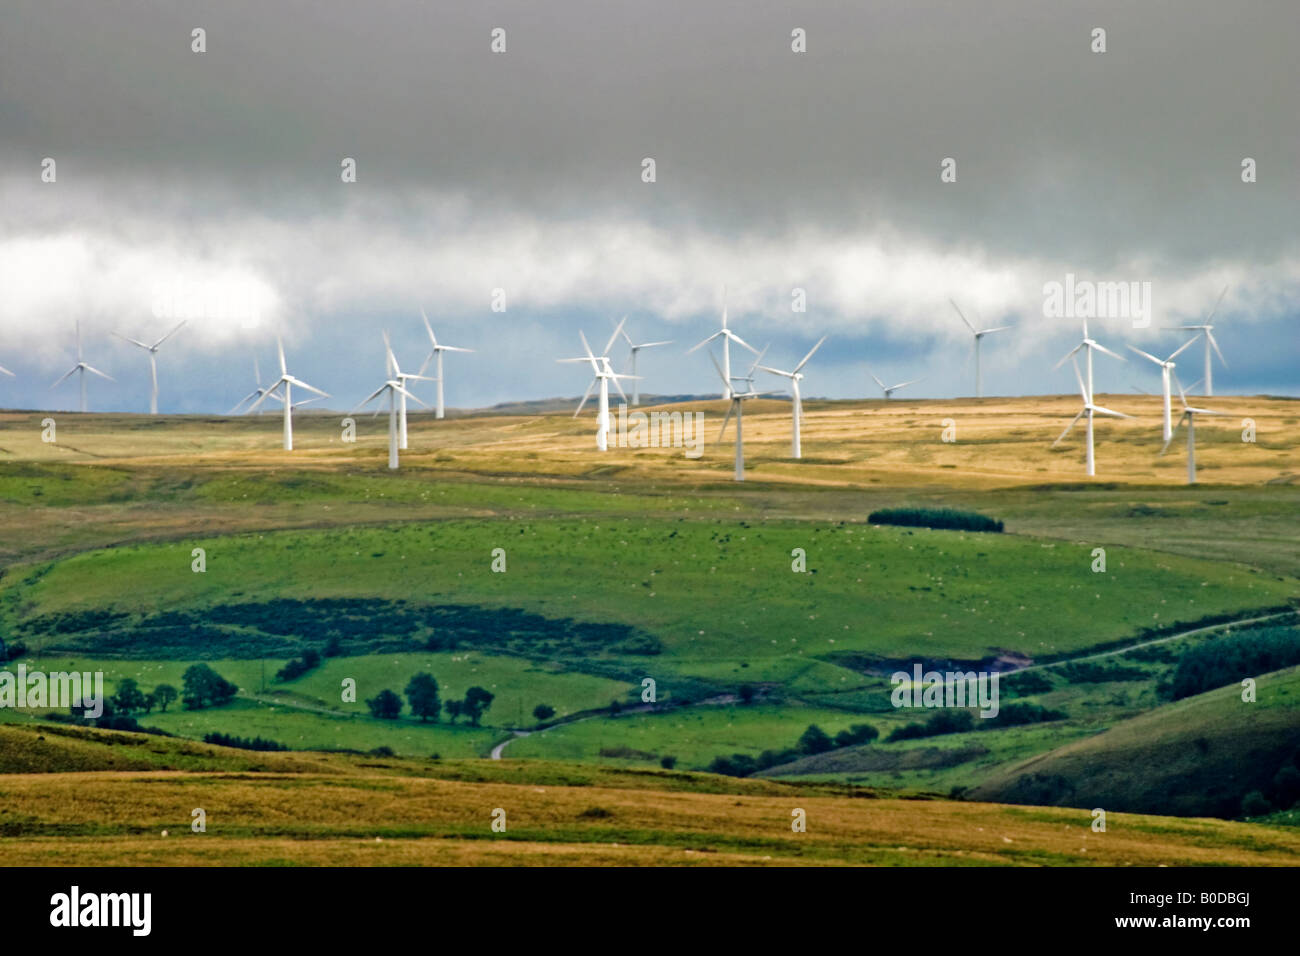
x=943, y=518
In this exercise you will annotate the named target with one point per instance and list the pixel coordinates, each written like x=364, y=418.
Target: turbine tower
x=1206, y=330
x=395, y=386
x=979, y=334
x=255, y=393
x=80, y=369
x=636, y=390
x=737, y=407
x=889, y=390
x=727, y=337
x=436, y=356
x=153, y=361
x=1189, y=416
x=602, y=374
x=284, y=384
x=1166, y=370
x=395, y=372
x=1089, y=409
x=796, y=376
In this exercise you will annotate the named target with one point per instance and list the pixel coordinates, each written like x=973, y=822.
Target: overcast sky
x=209, y=185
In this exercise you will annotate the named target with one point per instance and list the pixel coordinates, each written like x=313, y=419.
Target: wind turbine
x=80, y=369
x=979, y=334
x=636, y=390
x=603, y=374
x=255, y=393
x=1207, y=330
x=1089, y=409
x=737, y=407
x=285, y=384
x=1088, y=344
x=796, y=376
x=153, y=361
x=727, y=337
x=436, y=356
x=395, y=386
x=1166, y=370
x=5, y=371
x=1189, y=416
x=395, y=372
x=889, y=390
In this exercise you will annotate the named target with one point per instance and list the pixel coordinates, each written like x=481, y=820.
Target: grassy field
x=273, y=809
x=643, y=564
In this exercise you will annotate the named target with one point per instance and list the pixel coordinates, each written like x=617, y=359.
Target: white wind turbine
x=727, y=337
x=1166, y=370
x=979, y=334
x=396, y=373
x=80, y=369
x=153, y=361
x=1206, y=330
x=796, y=376
x=603, y=374
x=395, y=386
x=889, y=390
x=435, y=356
x=255, y=393
x=1089, y=409
x=737, y=407
x=284, y=384
x=636, y=390
x=1189, y=416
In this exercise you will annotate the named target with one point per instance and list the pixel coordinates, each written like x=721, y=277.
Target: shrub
x=1021, y=713
x=204, y=687
x=385, y=705
x=310, y=660
x=1226, y=660
x=815, y=740
x=1090, y=672
x=668, y=762
x=1255, y=804
x=857, y=734
x=942, y=722
x=243, y=743
x=944, y=518
x=1025, y=683
x=543, y=712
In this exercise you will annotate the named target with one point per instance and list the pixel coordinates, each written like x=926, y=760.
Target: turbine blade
x=1217, y=303
x=739, y=341
x=402, y=391
x=311, y=388
x=704, y=343
x=65, y=376
x=279, y=345
x=170, y=334
x=1210, y=335
x=429, y=328
x=654, y=345
x=1186, y=345
x=1073, y=421
x=585, y=395
x=878, y=381
x=614, y=378
x=1000, y=328
x=721, y=375
x=265, y=395
x=730, y=407
x=1102, y=348
x=614, y=338
x=776, y=371
x=370, y=398
x=126, y=338
x=1148, y=355
x=810, y=352
x=1110, y=412
x=1066, y=357
x=91, y=368
x=963, y=317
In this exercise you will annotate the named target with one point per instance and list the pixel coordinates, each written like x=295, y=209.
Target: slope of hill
x=1197, y=756
x=340, y=809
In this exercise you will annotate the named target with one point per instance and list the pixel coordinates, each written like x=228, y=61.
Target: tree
x=747, y=693
x=1255, y=804
x=477, y=701
x=385, y=705
x=129, y=698
x=150, y=701
x=204, y=687
x=815, y=740
x=668, y=762
x=454, y=709
x=422, y=695
x=543, y=711
x=164, y=694
x=615, y=708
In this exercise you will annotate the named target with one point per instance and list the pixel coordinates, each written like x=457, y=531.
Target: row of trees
x=130, y=699
x=423, y=696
